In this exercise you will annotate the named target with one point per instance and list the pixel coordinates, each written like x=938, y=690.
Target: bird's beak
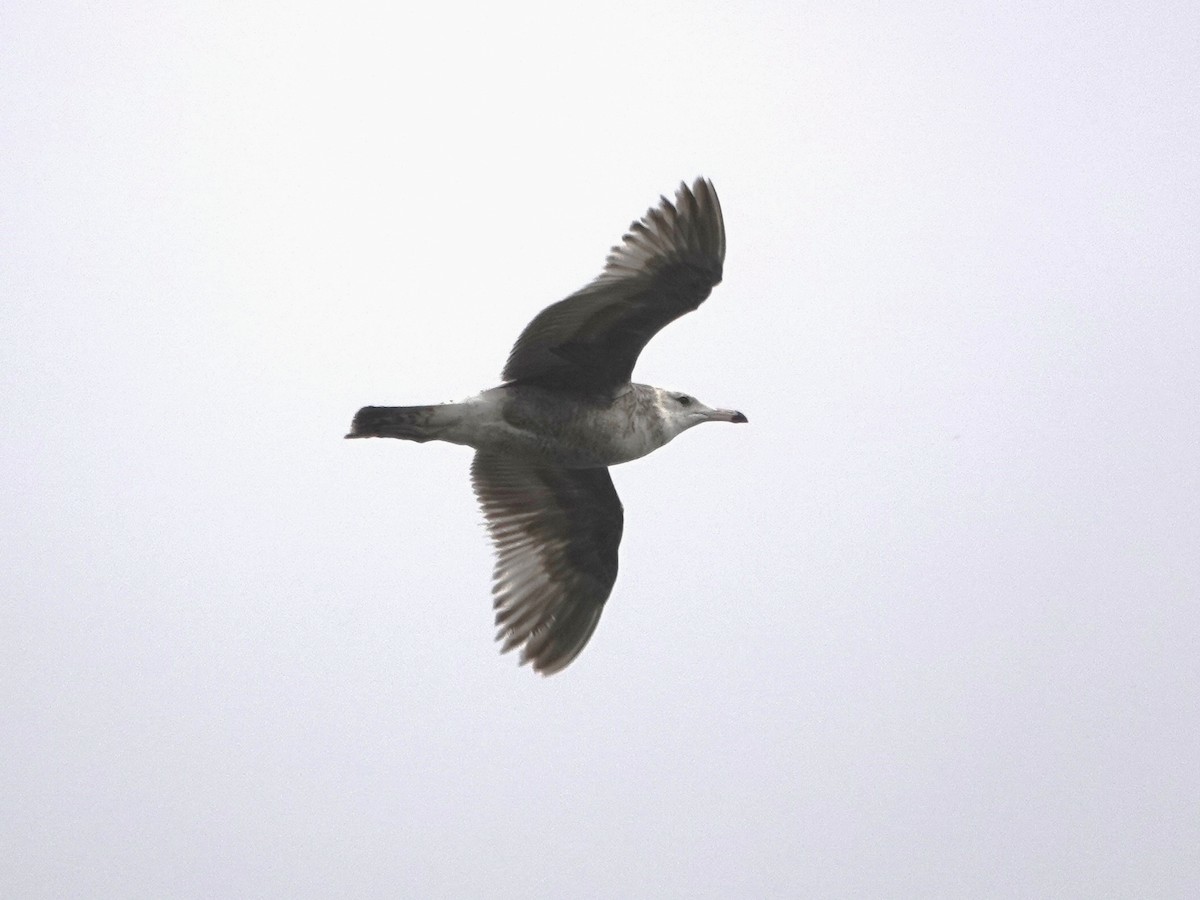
x=727, y=415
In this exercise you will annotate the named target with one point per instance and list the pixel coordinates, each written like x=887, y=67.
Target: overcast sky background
x=928, y=626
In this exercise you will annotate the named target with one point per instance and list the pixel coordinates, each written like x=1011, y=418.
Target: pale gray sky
x=928, y=626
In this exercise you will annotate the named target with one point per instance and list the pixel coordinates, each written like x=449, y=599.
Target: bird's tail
x=410, y=423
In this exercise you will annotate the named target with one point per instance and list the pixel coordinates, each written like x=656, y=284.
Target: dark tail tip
x=366, y=423
x=410, y=423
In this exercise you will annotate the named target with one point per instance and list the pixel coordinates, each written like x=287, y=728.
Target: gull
x=566, y=411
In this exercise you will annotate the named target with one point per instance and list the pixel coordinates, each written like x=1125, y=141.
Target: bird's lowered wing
x=665, y=266
x=556, y=533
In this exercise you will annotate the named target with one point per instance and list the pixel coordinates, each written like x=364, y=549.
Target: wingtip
x=701, y=184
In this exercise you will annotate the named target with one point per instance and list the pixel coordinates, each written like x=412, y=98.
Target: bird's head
x=682, y=411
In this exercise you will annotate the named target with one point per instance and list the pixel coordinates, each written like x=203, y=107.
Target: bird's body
x=534, y=423
x=566, y=412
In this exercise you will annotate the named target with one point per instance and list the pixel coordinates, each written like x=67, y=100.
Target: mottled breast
x=581, y=431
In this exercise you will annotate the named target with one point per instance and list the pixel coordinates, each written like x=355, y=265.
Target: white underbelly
x=603, y=438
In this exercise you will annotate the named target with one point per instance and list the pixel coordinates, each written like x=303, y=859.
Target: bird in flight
x=544, y=439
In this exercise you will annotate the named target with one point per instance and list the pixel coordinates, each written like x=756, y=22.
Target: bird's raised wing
x=665, y=266
x=556, y=533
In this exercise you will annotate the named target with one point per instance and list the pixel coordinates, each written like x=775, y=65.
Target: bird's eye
x=684, y=400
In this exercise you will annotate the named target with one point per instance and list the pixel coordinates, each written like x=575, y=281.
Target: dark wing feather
x=556, y=533
x=665, y=266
